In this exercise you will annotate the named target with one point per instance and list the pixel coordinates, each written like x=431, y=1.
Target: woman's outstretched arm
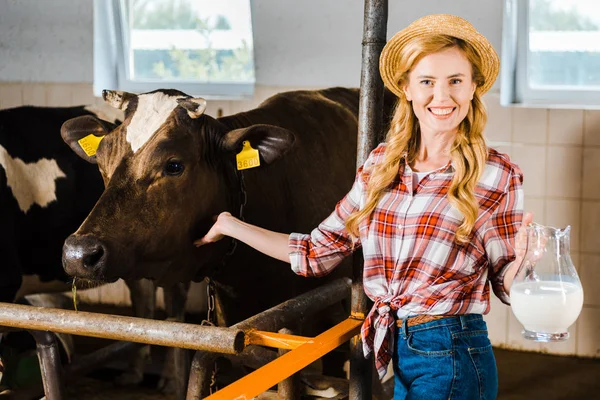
x=273, y=244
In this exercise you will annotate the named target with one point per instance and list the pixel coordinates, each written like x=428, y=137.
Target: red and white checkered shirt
x=412, y=265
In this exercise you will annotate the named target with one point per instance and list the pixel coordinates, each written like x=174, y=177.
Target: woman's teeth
x=441, y=111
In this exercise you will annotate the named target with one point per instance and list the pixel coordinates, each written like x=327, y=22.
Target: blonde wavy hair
x=469, y=151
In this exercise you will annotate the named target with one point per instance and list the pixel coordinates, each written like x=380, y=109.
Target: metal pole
x=289, y=388
x=370, y=120
x=162, y=333
x=200, y=375
x=370, y=112
x=50, y=365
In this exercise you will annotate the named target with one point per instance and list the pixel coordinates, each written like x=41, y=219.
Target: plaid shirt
x=412, y=265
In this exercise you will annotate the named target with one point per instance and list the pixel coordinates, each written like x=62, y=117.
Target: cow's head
x=168, y=170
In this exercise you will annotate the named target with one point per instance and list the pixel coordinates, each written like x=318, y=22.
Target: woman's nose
x=441, y=92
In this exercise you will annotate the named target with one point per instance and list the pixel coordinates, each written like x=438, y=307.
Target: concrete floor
x=524, y=375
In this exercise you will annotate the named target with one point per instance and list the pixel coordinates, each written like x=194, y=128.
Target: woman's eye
x=426, y=82
x=173, y=168
x=456, y=81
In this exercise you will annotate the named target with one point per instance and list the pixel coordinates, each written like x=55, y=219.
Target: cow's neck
x=236, y=207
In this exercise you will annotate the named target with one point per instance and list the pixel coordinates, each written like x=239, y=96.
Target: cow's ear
x=83, y=134
x=272, y=142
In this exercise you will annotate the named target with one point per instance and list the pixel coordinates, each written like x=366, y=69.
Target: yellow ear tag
x=90, y=144
x=248, y=157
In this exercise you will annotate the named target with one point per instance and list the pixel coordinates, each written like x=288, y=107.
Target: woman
x=436, y=213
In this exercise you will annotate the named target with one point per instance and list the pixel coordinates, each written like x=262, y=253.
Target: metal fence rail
x=132, y=329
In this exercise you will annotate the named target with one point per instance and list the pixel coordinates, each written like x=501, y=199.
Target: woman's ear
x=406, y=91
x=473, y=88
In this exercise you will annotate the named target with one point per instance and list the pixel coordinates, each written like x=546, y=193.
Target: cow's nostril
x=91, y=259
x=84, y=256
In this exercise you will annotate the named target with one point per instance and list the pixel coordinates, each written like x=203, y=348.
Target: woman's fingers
x=527, y=219
x=521, y=237
x=200, y=242
x=214, y=234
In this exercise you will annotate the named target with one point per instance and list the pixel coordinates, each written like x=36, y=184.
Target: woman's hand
x=271, y=243
x=217, y=231
x=521, y=239
x=520, y=251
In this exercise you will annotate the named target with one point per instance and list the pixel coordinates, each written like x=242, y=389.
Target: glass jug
x=546, y=293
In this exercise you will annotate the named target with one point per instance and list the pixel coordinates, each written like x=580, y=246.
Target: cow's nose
x=84, y=256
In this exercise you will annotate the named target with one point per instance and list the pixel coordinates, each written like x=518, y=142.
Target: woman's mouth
x=441, y=112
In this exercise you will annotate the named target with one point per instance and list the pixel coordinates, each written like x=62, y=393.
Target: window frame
x=514, y=89
x=112, y=61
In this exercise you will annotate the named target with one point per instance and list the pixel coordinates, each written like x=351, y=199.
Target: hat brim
x=438, y=24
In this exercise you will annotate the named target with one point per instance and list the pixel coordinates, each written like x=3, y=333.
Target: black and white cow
x=46, y=191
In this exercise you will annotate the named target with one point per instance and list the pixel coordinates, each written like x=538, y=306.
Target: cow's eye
x=173, y=167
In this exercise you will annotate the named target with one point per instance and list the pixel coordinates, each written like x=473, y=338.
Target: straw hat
x=438, y=24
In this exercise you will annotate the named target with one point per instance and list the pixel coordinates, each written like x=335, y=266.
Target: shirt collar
x=406, y=169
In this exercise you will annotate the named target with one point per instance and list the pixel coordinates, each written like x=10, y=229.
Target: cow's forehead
x=153, y=109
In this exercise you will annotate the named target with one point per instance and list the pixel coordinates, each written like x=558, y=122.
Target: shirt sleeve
x=499, y=237
x=318, y=253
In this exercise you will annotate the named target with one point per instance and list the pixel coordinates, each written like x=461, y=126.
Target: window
x=551, y=52
x=201, y=47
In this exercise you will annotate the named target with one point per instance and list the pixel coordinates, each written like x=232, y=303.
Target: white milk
x=546, y=306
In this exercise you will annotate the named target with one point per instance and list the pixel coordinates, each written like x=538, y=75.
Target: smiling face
x=440, y=88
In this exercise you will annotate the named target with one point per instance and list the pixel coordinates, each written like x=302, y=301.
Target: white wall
x=46, y=40
x=297, y=43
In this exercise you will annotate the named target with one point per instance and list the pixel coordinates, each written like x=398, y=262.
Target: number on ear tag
x=248, y=157
x=90, y=144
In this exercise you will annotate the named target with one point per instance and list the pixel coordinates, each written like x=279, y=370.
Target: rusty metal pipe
x=162, y=333
x=370, y=132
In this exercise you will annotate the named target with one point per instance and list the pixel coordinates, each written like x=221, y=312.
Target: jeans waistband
x=462, y=320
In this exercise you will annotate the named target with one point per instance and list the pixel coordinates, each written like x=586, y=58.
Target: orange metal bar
x=277, y=340
x=262, y=379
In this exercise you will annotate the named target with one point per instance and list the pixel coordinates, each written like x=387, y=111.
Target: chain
x=210, y=286
x=211, y=321
x=1, y=365
x=243, y=201
x=243, y=195
x=213, y=380
x=210, y=296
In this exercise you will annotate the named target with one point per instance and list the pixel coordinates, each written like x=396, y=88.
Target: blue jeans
x=450, y=358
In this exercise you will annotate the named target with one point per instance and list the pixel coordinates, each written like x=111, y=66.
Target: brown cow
x=169, y=169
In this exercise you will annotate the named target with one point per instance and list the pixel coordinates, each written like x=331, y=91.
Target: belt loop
x=463, y=322
x=405, y=326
